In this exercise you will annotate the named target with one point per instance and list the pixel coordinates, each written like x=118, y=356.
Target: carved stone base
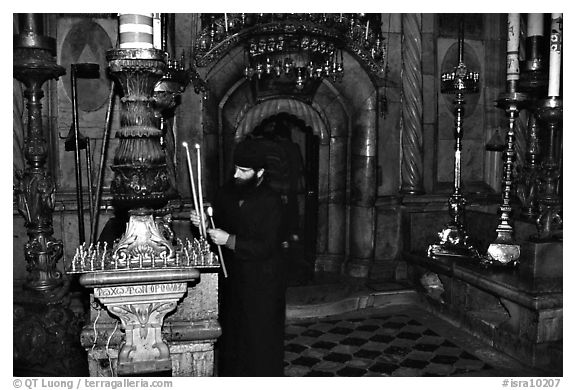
x=187, y=359
x=190, y=333
x=141, y=308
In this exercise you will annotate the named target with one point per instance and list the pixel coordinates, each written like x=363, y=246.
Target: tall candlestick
x=157, y=31
x=555, y=55
x=535, y=25
x=200, y=196
x=513, y=64
x=192, y=184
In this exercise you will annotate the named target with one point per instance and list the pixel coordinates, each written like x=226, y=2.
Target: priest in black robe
x=248, y=216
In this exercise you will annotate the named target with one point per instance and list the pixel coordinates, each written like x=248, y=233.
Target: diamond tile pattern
x=393, y=345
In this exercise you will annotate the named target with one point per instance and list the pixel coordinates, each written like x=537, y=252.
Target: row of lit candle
x=535, y=28
x=195, y=253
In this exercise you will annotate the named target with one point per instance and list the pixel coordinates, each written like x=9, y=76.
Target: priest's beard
x=246, y=186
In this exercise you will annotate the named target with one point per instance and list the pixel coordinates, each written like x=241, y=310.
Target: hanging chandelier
x=297, y=57
x=295, y=49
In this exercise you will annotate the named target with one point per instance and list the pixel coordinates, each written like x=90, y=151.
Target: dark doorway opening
x=301, y=150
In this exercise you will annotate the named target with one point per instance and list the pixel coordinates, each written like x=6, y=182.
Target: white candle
x=200, y=196
x=192, y=183
x=535, y=25
x=226, y=22
x=555, y=55
x=512, y=62
x=157, y=31
x=367, y=25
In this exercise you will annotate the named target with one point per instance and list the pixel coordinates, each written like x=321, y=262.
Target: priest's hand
x=195, y=218
x=218, y=236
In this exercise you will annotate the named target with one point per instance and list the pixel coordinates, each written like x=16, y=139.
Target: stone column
x=363, y=189
x=412, y=158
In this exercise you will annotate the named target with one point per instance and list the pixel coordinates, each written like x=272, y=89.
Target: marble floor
x=399, y=341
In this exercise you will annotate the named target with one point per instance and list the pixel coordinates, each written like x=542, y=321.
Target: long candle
x=200, y=197
x=555, y=55
x=192, y=184
x=226, y=22
x=513, y=65
x=367, y=25
x=157, y=31
x=535, y=25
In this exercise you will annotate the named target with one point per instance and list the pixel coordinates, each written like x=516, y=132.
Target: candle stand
x=454, y=238
x=549, y=221
x=533, y=81
x=504, y=251
x=145, y=273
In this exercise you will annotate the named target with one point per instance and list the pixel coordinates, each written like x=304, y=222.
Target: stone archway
x=345, y=116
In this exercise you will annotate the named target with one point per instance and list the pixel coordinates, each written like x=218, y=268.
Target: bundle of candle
x=187, y=254
x=459, y=80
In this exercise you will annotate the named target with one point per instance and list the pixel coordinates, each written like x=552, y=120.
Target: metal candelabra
x=453, y=238
x=549, y=221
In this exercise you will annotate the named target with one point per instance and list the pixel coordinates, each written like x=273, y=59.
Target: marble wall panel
x=388, y=232
x=363, y=181
x=322, y=232
x=336, y=228
x=362, y=223
x=338, y=169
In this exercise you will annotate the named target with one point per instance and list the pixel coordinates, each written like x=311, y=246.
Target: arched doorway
x=342, y=116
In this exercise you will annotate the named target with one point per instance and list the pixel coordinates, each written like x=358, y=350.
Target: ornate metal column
x=34, y=64
x=532, y=81
x=45, y=334
x=412, y=164
x=550, y=111
x=549, y=220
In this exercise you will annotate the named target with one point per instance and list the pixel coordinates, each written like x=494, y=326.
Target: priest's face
x=245, y=177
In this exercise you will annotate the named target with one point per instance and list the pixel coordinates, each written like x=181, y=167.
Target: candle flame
x=197, y=146
x=209, y=211
x=185, y=144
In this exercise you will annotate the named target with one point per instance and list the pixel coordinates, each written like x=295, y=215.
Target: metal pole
x=96, y=210
x=89, y=178
x=77, y=166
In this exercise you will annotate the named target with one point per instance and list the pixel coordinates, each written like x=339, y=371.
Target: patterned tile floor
x=406, y=342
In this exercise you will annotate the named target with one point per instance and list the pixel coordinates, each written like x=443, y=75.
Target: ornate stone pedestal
x=141, y=299
x=189, y=333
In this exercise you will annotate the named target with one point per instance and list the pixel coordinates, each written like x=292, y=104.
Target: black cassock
x=252, y=310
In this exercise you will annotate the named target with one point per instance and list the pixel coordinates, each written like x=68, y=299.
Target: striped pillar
x=136, y=31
